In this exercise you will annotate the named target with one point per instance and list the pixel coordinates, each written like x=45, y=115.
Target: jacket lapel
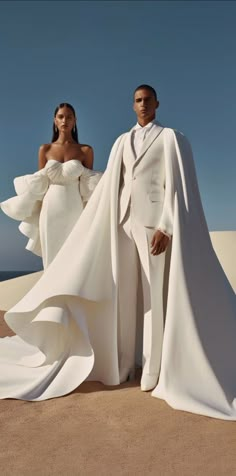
x=130, y=144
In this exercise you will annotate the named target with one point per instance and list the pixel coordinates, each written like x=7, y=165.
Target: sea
x=5, y=275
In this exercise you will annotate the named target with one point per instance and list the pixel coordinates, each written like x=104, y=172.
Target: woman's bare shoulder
x=44, y=147
x=87, y=151
x=42, y=155
x=86, y=147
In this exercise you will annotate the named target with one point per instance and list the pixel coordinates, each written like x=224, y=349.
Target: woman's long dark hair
x=55, y=132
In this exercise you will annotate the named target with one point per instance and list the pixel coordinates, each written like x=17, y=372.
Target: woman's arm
x=42, y=156
x=89, y=156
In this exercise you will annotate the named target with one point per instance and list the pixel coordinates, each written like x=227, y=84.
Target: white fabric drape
x=199, y=352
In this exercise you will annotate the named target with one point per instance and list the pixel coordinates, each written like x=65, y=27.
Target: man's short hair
x=149, y=88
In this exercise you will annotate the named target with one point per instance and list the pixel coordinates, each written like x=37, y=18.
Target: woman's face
x=64, y=119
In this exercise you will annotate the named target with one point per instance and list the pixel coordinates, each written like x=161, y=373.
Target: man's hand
x=159, y=243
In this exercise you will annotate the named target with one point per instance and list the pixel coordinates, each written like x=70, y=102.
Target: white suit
x=141, y=199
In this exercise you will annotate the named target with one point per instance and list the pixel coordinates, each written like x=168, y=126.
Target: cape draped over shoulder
x=199, y=352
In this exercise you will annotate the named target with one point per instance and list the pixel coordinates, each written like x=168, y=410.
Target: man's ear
x=158, y=104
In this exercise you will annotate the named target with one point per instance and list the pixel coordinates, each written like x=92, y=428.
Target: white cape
x=67, y=323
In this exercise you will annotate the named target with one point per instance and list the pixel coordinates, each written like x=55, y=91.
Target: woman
x=50, y=201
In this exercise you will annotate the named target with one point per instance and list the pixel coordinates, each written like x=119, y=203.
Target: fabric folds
x=199, y=352
x=43, y=200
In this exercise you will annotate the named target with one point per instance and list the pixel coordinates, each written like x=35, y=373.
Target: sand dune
x=224, y=243
x=12, y=290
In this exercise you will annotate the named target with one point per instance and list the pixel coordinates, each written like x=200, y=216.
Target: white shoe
x=148, y=382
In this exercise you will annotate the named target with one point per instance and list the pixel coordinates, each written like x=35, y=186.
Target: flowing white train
x=66, y=325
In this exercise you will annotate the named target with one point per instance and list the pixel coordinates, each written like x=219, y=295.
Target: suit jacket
x=143, y=180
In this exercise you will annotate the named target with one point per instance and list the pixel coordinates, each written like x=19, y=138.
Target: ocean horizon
x=5, y=275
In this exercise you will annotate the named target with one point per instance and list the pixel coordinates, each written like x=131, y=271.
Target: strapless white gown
x=49, y=203
x=52, y=354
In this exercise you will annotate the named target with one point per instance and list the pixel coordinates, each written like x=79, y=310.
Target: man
x=141, y=241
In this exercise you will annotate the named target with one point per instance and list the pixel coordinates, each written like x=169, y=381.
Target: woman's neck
x=65, y=139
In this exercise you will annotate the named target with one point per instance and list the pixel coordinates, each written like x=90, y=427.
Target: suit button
x=134, y=178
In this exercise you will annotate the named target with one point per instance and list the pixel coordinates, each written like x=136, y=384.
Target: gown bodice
x=62, y=173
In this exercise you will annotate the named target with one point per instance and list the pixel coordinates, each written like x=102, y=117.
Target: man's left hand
x=159, y=243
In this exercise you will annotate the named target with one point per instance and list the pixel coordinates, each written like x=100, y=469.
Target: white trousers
x=140, y=290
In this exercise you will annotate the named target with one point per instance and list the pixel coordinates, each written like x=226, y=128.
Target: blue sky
x=94, y=54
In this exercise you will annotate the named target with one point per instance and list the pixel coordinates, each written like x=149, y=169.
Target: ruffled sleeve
x=87, y=183
x=26, y=206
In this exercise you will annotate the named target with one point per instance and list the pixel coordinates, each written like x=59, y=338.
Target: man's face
x=145, y=105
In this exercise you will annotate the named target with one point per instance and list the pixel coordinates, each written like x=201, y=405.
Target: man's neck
x=145, y=121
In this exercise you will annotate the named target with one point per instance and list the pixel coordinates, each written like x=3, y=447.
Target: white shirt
x=139, y=134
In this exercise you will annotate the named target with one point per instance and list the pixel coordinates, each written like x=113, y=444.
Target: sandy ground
x=111, y=431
